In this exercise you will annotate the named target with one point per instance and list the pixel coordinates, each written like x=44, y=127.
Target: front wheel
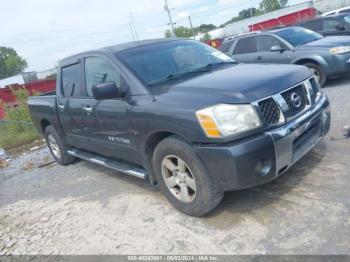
x=184, y=179
x=318, y=72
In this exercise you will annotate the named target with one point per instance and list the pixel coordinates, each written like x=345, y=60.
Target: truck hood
x=328, y=42
x=242, y=83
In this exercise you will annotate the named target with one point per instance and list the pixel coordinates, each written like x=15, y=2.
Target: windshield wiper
x=163, y=79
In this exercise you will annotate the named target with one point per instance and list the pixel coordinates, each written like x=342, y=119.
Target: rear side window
x=245, y=46
x=264, y=43
x=313, y=25
x=345, y=11
x=97, y=71
x=226, y=46
x=71, y=80
x=331, y=24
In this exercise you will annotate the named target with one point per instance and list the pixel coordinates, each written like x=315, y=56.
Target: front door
x=105, y=121
x=264, y=44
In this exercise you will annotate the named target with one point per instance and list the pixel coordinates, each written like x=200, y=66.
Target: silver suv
x=325, y=56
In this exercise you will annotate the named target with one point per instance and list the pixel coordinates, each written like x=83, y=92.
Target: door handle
x=61, y=107
x=259, y=58
x=87, y=109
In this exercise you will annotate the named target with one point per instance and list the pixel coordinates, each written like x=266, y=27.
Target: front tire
x=184, y=179
x=58, y=148
x=318, y=72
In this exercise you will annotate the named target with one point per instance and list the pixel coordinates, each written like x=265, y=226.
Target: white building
x=329, y=5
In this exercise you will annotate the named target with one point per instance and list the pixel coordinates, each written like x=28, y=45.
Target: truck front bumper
x=260, y=159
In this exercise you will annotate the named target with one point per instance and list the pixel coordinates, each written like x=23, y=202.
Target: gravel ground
x=86, y=209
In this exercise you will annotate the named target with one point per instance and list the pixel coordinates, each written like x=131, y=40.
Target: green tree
x=205, y=28
x=168, y=33
x=272, y=5
x=183, y=31
x=247, y=13
x=10, y=62
x=206, y=37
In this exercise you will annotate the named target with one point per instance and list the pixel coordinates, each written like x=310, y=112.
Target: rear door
x=68, y=103
x=245, y=50
x=264, y=43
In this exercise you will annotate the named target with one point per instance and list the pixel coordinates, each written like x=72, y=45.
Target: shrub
x=19, y=129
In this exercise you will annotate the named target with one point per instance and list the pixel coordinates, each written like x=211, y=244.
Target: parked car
x=325, y=56
x=329, y=25
x=338, y=11
x=184, y=115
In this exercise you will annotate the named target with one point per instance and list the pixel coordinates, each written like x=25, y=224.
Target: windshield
x=347, y=19
x=160, y=62
x=299, y=35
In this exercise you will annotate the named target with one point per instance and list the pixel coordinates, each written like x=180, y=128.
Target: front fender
x=316, y=59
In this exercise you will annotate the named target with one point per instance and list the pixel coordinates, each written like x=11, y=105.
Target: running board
x=109, y=163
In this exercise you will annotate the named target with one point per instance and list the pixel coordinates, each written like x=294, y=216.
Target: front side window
x=97, y=71
x=331, y=25
x=264, y=43
x=71, y=80
x=246, y=46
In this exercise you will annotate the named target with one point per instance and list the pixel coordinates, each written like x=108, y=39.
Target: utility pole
x=133, y=26
x=190, y=20
x=132, y=32
x=166, y=8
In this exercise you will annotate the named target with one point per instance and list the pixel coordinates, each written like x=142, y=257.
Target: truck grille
x=296, y=99
x=288, y=104
x=270, y=112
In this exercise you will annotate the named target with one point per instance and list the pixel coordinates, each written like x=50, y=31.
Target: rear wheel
x=184, y=179
x=58, y=147
x=318, y=71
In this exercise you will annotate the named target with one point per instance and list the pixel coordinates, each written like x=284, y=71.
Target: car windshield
x=299, y=36
x=157, y=63
x=347, y=19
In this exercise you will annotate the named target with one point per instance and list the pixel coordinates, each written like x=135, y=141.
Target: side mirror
x=340, y=27
x=107, y=90
x=277, y=48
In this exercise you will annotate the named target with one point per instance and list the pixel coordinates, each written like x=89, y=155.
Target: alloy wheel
x=179, y=178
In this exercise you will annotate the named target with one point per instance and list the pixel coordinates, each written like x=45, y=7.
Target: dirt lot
x=86, y=209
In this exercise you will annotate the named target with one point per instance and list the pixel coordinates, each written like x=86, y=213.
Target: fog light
x=263, y=167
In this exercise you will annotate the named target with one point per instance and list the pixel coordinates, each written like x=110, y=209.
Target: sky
x=45, y=31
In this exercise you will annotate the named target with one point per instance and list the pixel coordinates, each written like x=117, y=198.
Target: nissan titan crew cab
x=184, y=116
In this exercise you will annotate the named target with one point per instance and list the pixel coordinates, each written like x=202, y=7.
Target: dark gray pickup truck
x=182, y=115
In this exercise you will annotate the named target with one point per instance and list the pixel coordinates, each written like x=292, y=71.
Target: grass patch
x=10, y=140
x=18, y=130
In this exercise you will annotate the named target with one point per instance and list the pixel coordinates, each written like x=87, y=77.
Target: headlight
x=339, y=50
x=225, y=120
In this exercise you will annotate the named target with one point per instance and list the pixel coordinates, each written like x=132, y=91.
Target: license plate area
x=304, y=142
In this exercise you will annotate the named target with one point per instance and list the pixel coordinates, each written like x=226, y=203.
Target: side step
x=109, y=163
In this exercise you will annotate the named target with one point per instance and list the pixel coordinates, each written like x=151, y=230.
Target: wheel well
x=44, y=124
x=150, y=146
x=306, y=60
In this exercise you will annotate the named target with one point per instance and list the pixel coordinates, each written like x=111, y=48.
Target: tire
x=190, y=176
x=57, y=147
x=318, y=71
